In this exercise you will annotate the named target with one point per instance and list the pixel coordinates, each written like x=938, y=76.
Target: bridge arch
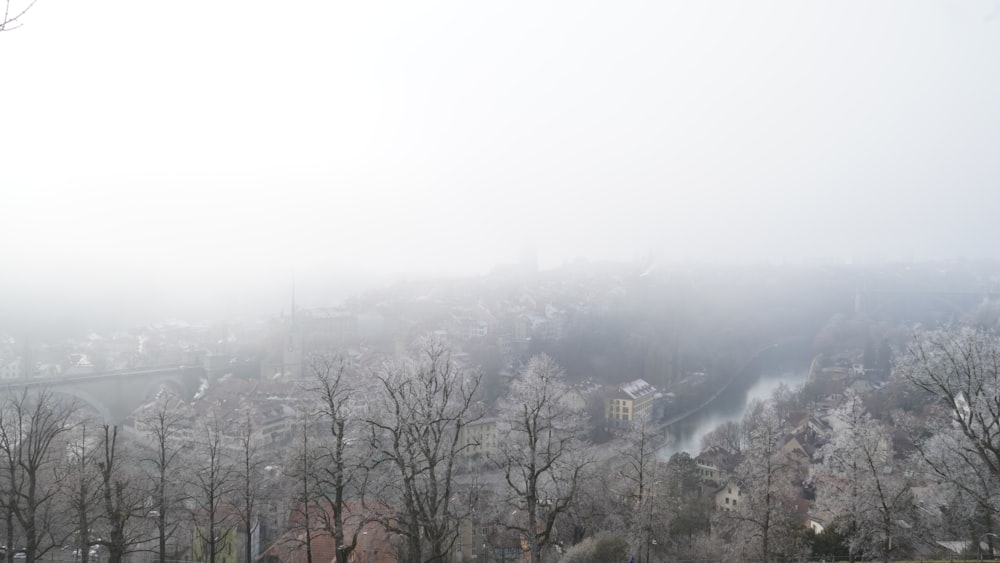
x=86, y=399
x=115, y=395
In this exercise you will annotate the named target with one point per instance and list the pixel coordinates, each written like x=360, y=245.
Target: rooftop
x=637, y=388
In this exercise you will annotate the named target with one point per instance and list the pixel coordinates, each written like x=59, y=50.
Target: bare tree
x=602, y=548
x=415, y=427
x=727, y=436
x=12, y=15
x=304, y=491
x=80, y=477
x=161, y=426
x=542, y=458
x=249, y=490
x=12, y=479
x=33, y=426
x=212, y=484
x=124, y=500
x=341, y=469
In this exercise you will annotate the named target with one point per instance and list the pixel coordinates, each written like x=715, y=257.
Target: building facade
x=630, y=402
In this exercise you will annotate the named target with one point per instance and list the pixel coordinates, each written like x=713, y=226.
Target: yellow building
x=631, y=401
x=228, y=546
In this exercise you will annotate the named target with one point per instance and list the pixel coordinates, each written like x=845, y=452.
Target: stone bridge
x=116, y=394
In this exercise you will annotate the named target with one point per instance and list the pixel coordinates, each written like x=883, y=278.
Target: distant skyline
x=198, y=149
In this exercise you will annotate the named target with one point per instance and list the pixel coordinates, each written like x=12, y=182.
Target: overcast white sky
x=194, y=142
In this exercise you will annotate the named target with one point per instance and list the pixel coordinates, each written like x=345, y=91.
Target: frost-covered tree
x=763, y=517
x=969, y=491
x=637, y=457
x=542, y=457
x=861, y=485
x=960, y=367
x=415, y=431
x=839, y=479
x=631, y=479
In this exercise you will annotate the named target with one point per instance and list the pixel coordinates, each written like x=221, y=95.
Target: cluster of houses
x=716, y=465
x=799, y=446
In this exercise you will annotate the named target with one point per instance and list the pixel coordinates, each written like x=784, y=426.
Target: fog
x=170, y=157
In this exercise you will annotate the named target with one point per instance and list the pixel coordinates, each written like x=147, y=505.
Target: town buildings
x=632, y=401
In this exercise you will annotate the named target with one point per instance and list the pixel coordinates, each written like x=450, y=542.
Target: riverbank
x=784, y=364
x=681, y=417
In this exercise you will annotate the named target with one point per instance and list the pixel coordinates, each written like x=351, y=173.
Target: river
x=686, y=435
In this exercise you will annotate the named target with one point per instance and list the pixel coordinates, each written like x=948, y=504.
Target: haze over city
x=518, y=282
x=220, y=152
